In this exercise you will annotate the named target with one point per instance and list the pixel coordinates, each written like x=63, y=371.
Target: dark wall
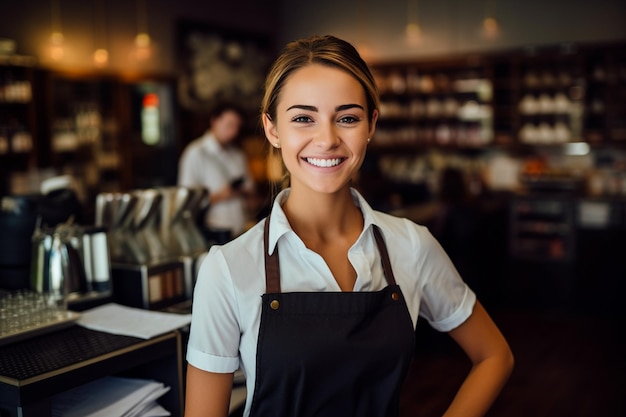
x=30, y=24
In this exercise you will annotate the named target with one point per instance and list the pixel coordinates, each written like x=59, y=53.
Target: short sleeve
x=446, y=300
x=215, y=332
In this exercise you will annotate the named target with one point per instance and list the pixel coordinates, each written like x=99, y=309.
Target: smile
x=324, y=163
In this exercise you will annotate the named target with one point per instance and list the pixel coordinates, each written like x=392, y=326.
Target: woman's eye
x=348, y=119
x=301, y=119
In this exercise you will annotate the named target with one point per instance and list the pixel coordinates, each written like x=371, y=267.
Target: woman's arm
x=207, y=393
x=492, y=363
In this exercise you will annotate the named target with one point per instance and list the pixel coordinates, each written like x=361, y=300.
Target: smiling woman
x=322, y=126
x=329, y=328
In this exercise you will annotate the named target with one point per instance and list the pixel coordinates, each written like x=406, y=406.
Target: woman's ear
x=373, y=123
x=271, y=133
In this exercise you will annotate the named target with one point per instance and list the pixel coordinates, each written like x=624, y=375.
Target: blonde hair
x=324, y=50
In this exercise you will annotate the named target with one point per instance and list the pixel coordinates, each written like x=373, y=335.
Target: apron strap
x=272, y=269
x=384, y=255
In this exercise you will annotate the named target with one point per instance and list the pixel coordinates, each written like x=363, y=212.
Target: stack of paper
x=130, y=321
x=111, y=397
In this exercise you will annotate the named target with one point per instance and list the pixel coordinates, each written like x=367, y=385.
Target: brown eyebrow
x=348, y=106
x=302, y=107
x=313, y=108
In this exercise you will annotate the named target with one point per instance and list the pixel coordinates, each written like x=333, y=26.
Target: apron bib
x=343, y=354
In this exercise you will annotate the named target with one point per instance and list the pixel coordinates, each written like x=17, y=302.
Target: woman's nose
x=327, y=136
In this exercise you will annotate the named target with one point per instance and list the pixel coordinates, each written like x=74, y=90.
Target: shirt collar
x=209, y=143
x=279, y=225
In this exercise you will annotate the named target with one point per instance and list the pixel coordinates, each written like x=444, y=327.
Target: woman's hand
x=223, y=194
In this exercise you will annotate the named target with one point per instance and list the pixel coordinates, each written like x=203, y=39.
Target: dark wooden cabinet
x=95, y=125
x=36, y=369
x=83, y=127
x=18, y=127
x=606, y=95
x=88, y=124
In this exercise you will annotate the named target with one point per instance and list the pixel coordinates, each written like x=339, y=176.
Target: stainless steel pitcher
x=57, y=268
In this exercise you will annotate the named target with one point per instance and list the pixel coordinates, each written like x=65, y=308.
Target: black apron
x=343, y=354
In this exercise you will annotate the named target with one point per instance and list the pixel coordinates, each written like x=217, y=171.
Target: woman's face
x=226, y=126
x=322, y=127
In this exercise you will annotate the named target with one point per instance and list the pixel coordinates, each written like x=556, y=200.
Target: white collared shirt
x=231, y=281
x=205, y=163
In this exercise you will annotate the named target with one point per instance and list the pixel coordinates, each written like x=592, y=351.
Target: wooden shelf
x=591, y=78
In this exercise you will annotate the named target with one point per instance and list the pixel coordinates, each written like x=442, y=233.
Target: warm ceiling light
x=412, y=31
x=413, y=34
x=490, y=27
x=101, y=54
x=143, y=48
x=142, y=40
x=57, y=50
x=56, y=38
x=101, y=57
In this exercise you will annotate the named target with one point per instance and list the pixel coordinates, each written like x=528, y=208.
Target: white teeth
x=324, y=163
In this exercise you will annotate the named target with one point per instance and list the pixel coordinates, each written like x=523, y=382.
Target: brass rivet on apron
x=274, y=304
x=395, y=296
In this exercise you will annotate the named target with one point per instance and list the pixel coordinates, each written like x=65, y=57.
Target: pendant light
x=413, y=31
x=491, y=28
x=101, y=54
x=57, y=48
x=143, y=48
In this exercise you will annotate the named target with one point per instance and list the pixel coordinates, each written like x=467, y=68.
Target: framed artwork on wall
x=219, y=64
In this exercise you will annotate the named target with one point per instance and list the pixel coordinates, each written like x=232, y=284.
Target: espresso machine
x=45, y=250
x=178, y=229
x=154, y=244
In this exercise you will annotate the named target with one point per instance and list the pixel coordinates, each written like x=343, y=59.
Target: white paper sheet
x=111, y=396
x=129, y=321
